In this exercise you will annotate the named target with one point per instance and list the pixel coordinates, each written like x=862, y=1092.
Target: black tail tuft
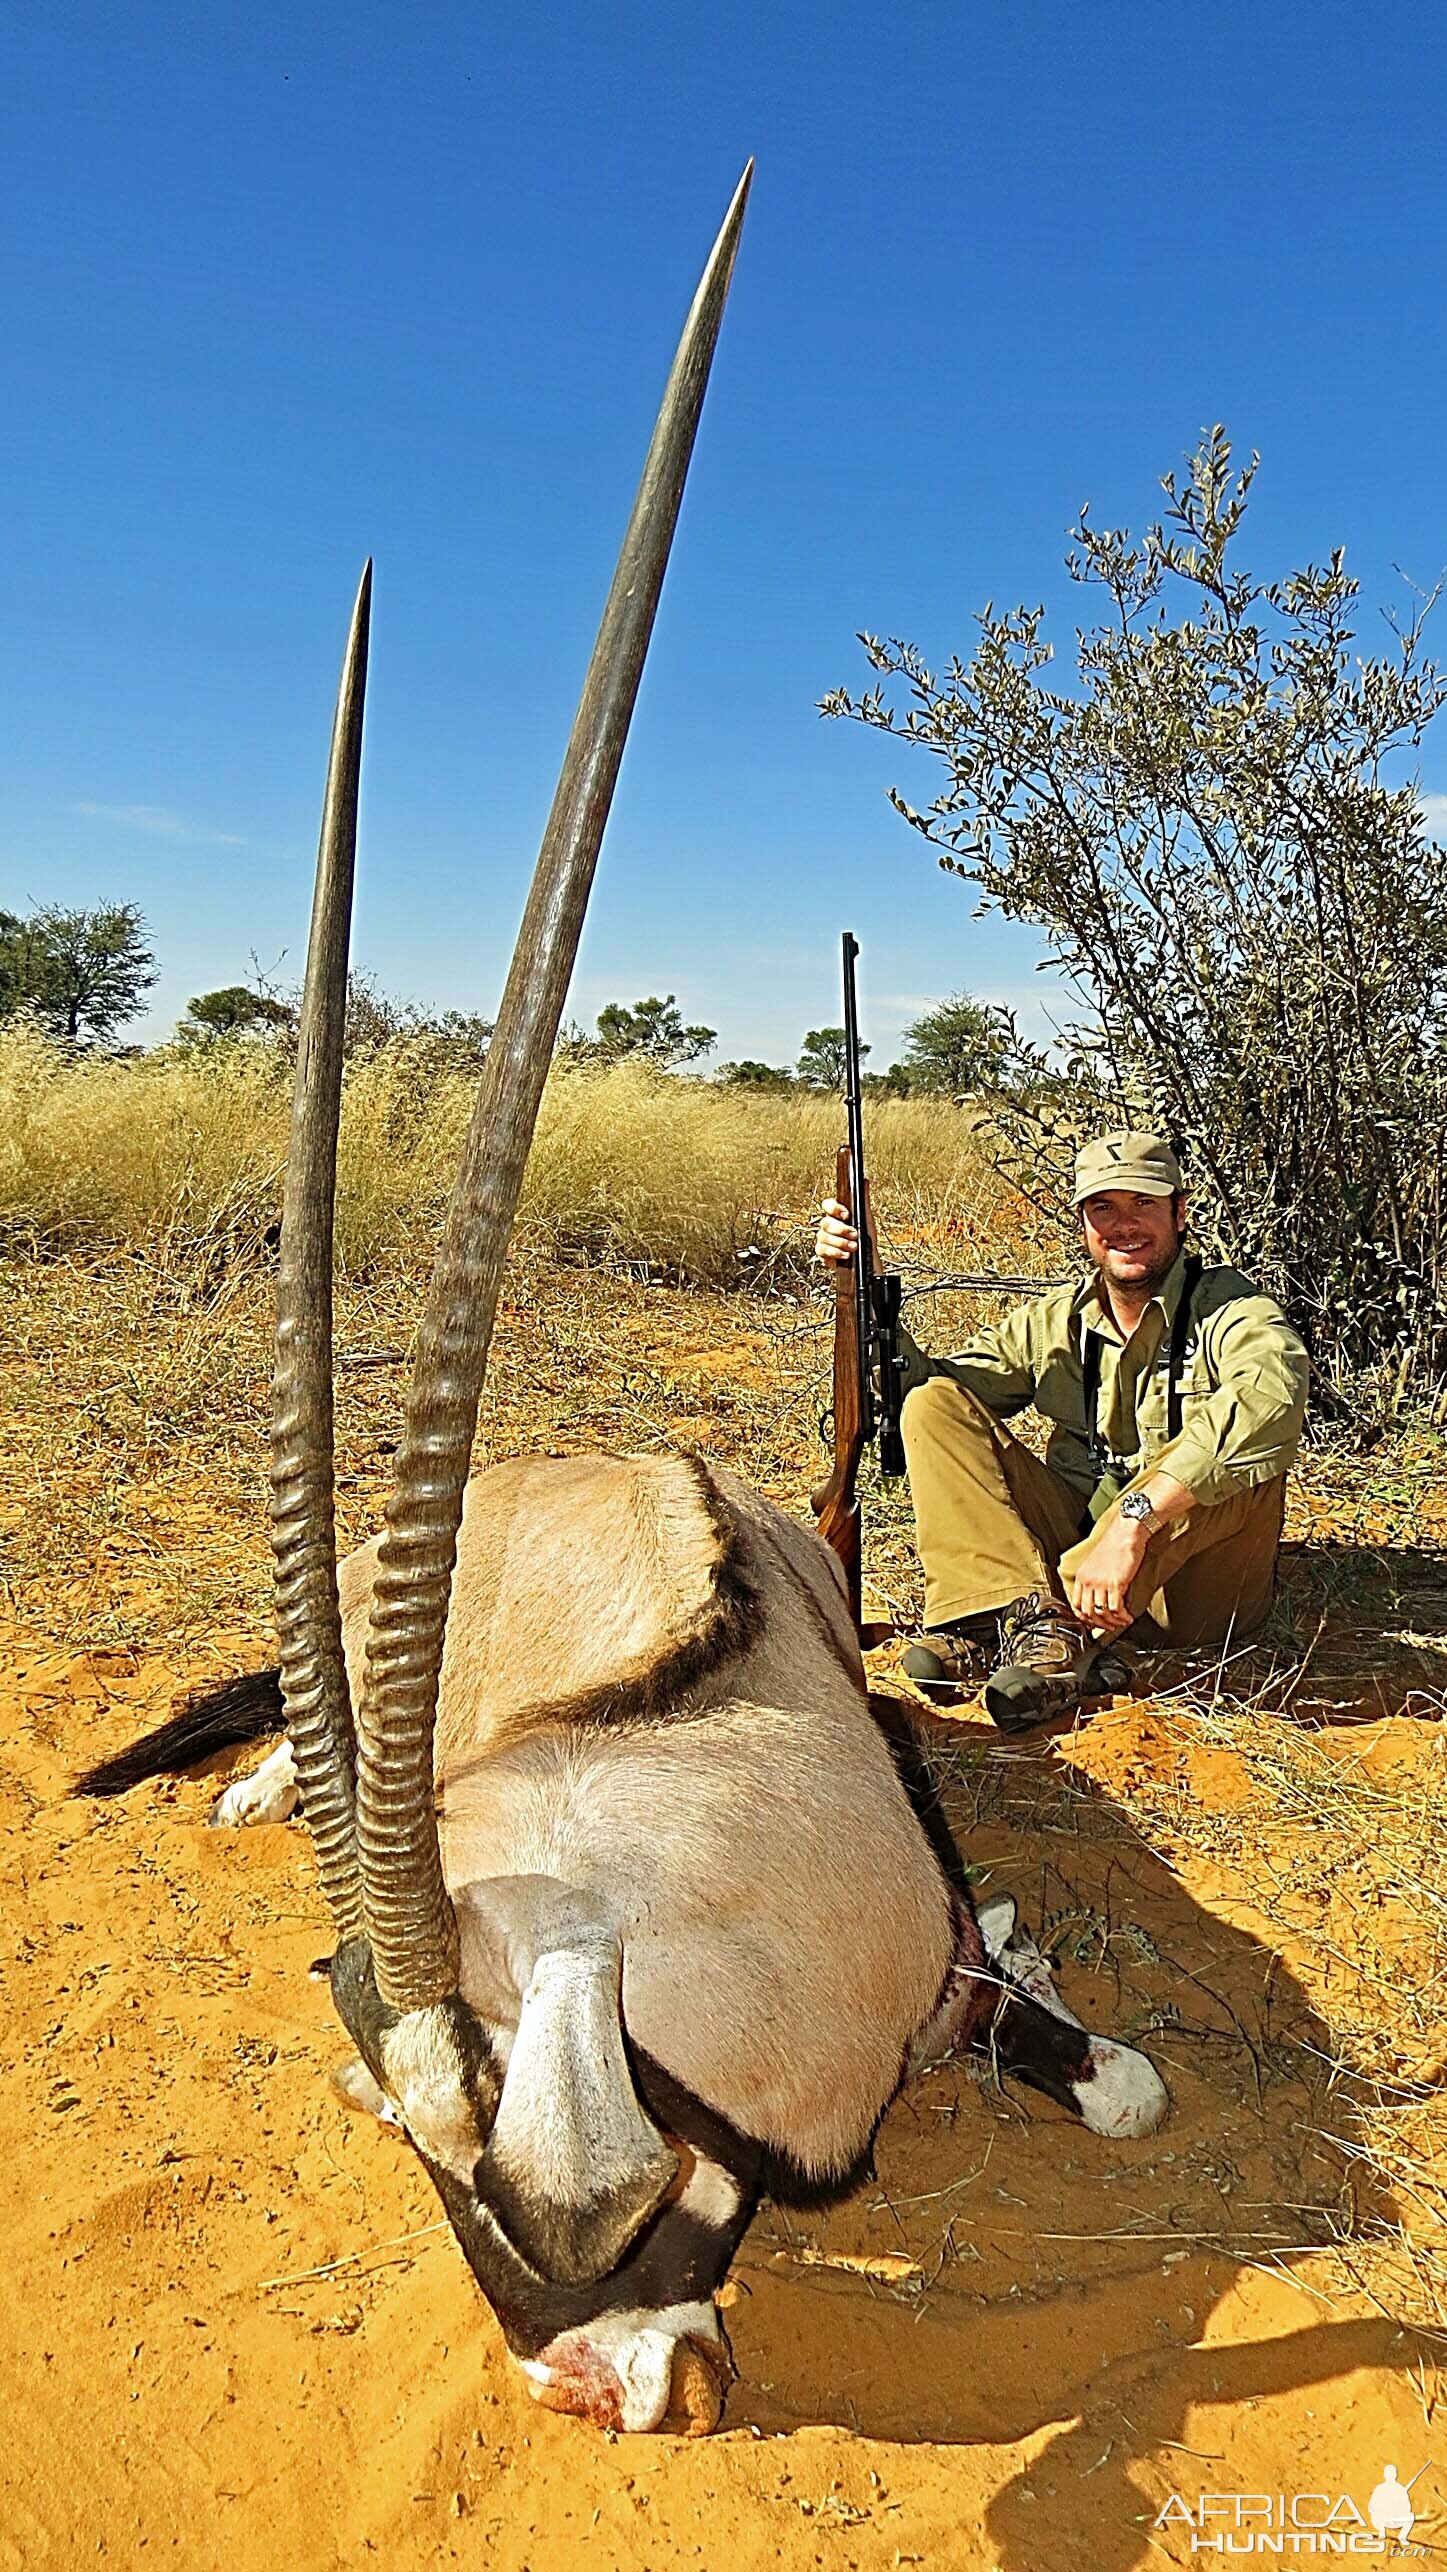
x=213, y=1719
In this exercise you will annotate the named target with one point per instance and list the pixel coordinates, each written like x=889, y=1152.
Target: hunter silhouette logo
x=1389, y=2509
x=1297, y=2523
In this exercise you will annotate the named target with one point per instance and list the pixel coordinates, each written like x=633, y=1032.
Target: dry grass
x=180, y=1154
x=1342, y=1841
x=131, y=1478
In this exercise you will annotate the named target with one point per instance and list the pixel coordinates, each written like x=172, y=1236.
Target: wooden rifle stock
x=835, y=1502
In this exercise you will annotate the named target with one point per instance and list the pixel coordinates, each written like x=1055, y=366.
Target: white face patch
x=424, y=2077
x=638, y=2349
x=711, y=2196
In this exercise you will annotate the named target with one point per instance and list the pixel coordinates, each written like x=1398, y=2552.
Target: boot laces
x=1041, y=1634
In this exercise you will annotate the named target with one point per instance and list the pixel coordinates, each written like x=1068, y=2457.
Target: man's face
x=1133, y=1240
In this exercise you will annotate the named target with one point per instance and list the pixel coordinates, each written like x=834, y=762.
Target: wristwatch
x=1136, y=1505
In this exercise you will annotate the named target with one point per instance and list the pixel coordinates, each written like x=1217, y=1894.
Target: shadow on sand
x=1358, y=1632
x=1007, y=2274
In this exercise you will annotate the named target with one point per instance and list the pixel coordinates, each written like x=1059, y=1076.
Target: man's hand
x=836, y=1240
x=1109, y=1560
x=1101, y=1577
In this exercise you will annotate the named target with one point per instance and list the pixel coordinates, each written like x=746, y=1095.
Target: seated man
x=1175, y=1395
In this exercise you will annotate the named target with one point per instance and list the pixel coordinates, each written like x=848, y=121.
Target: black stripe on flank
x=845, y=1653
x=731, y=1622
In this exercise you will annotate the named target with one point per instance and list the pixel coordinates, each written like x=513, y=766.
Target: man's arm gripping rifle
x=868, y=1363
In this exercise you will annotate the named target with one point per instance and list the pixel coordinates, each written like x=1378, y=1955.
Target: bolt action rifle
x=868, y=1363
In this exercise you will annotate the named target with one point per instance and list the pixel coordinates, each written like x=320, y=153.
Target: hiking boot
x=954, y=1656
x=1049, y=1663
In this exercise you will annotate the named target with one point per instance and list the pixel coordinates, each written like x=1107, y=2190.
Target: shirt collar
x=1096, y=1316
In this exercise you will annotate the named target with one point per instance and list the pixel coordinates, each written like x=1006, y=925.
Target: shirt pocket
x=1153, y=1405
x=1194, y=1386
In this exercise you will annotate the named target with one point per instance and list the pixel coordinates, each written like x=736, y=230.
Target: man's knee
x=1225, y=1592
x=940, y=1412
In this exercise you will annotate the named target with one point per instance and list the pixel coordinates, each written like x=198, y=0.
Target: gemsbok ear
x=574, y=2166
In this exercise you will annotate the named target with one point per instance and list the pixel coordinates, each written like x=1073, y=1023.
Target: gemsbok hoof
x=1120, y=2093
x=1113, y=2089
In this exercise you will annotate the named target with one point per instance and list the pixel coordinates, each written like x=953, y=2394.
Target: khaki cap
x=1142, y=1164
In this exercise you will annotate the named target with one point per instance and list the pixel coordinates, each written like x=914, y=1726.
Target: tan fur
x=785, y=1929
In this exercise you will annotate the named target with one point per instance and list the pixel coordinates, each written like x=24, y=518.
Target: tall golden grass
x=180, y=1154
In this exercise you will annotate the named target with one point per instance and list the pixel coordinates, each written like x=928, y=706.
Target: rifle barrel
x=854, y=1109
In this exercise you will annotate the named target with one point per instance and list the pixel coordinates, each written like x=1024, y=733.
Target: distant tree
x=958, y=1047
x=464, y=1030
x=373, y=1017
x=235, y=1010
x=821, y=1064
x=449, y=1037
x=749, y=1075
x=653, y=1029
x=12, y=969
x=81, y=974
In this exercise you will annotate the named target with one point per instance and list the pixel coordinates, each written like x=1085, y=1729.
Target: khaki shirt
x=1243, y=1381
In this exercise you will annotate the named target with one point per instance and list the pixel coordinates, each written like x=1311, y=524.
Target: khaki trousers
x=995, y=1523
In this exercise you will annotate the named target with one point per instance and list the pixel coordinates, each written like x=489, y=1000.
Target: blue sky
x=283, y=288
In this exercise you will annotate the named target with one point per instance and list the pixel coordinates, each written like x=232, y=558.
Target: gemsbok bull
x=633, y=1914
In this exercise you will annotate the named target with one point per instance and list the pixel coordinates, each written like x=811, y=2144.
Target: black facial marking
x=676, y=2259
x=578, y=2244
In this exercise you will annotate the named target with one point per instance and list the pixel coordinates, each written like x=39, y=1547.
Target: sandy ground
x=236, y=2335
x=235, y=2332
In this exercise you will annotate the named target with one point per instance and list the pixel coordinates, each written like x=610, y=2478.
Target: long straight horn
x=410, y=1922
x=309, y=1625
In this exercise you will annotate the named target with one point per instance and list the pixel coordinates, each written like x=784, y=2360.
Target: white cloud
x=1434, y=815
x=159, y=823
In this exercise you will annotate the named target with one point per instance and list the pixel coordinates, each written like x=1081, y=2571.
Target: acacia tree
x=215, y=1017
x=1210, y=825
x=653, y=1029
x=81, y=974
x=434, y=1040
x=960, y=1046
x=823, y=1062
x=749, y=1074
